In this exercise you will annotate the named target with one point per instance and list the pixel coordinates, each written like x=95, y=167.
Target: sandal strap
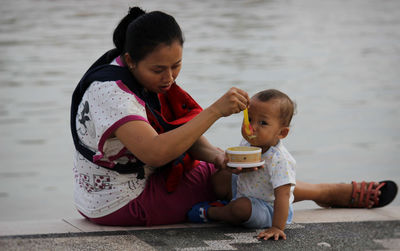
x=376, y=199
x=362, y=193
x=369, y=191
x=363, y=202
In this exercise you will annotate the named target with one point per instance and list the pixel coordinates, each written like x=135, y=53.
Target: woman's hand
x=234, y=101
x=221, y=163
x=220, y=160
x=238, y=170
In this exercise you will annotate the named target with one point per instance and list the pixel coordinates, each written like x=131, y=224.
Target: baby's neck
x=265, y=148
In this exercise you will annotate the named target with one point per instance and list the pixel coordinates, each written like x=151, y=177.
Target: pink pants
x=155, y=206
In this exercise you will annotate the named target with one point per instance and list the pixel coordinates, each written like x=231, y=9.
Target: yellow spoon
x=246, y=122
x=247, y=126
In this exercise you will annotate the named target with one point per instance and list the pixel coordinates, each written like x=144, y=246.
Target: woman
x=138, y=135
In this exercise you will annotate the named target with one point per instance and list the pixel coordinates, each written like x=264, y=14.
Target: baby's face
x=265, y=120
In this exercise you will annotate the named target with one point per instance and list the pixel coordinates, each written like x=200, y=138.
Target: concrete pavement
x=313, y=229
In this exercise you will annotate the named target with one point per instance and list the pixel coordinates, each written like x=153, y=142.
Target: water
x=339, y=60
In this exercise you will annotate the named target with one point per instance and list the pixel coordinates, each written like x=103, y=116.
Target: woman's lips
x=165, y=87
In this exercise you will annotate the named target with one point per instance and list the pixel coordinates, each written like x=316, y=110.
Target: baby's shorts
x=262, y=212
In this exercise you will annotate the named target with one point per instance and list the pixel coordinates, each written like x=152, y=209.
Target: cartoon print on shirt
x=100, y=182
x=131, y=185
x=134, y=184
x=84, y=117
x=93, y=119
x=84, y=181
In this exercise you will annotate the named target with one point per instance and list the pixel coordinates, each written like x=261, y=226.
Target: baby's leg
x=222, y=184
x=236, y=212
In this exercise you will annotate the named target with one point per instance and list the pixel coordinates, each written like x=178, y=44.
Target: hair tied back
x=120, y=31
x=135, y=12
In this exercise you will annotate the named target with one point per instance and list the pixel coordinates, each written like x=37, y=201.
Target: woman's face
x=159, y=69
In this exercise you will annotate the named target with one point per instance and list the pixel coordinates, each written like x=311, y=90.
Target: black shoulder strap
x=102, y=71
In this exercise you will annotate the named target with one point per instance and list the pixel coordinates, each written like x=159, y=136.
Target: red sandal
x=388, y=193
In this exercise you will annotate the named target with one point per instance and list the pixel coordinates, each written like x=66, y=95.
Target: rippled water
x=339, y=60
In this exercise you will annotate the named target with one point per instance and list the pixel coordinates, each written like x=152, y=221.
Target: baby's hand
x=271, y=232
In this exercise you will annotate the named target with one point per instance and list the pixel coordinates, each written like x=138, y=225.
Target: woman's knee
x=222, y=184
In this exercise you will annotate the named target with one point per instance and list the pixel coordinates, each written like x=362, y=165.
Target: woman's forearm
x=158, y=149
x=203, y=150
x=184, y=137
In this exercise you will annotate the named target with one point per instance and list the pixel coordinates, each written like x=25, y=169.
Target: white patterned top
x=279, y=169
x=104, y=107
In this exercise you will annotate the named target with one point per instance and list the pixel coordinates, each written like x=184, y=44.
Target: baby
x=263, y=198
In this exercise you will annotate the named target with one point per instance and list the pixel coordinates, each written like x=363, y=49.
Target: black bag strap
x=102, y=71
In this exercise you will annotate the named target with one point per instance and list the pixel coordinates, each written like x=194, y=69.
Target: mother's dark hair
x=139, y=33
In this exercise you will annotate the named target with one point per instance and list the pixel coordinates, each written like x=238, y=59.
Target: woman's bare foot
x=341, y=195
x=332, y=195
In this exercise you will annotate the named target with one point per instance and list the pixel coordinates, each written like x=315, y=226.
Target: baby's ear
x=284, y=132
